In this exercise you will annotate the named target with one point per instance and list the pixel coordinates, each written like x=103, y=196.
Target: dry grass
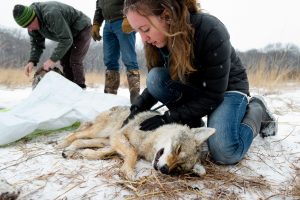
x=15, y=78
x=261, y=77
x=275, y=78
x=217, y=184
x=295, y=191
x=93, y=79
x=220, y=182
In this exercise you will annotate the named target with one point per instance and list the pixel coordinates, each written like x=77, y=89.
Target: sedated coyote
x=172, y=147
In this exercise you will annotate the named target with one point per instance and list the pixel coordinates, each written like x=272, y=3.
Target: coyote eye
x=159, y=154
x=178, y=149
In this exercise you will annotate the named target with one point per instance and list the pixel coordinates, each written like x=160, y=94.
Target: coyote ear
x=202, y=134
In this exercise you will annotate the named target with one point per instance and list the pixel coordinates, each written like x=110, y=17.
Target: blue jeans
x=232, y=139
x=115, y=41
x=164, y=89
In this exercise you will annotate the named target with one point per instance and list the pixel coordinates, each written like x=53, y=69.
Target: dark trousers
x=72, y=62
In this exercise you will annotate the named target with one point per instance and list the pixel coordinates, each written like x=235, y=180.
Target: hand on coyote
x=171, y=147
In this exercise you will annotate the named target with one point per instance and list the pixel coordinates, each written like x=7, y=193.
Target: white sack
x=55, y=103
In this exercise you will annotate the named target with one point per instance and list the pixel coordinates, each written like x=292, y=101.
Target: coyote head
x=40, y=73
x=179, y=149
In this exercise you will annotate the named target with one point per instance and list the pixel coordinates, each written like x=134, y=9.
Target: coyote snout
x=172, y=147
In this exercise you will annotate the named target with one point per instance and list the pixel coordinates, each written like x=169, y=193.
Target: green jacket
x=58, y=22
x=109, y=10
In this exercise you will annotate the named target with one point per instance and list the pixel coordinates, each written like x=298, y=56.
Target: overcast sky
x=251, y=23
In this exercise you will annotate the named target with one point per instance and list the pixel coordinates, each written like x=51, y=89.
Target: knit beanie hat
x=23, y=15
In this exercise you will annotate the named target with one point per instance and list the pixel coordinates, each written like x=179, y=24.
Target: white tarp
x=55, y=103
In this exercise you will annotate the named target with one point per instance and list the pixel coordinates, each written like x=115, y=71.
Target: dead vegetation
x=271, y=80
x=295, y=186
x=221, y=182
x=15, y=78
x=70, y=176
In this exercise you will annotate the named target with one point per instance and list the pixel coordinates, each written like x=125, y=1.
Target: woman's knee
x=223, y=153
x=156, y=80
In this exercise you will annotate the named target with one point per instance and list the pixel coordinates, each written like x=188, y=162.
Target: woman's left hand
x=153, y=123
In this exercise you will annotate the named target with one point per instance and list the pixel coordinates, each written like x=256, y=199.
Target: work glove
x=96, y=31
x=134, y=110
x=153, y=123
x=126, y=28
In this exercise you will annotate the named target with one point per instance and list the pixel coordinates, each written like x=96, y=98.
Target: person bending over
x=61, y=23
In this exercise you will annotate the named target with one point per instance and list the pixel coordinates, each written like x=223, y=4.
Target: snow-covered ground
x=270, y=170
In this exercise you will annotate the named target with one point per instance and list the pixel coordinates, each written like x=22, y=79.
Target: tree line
x=15, y=49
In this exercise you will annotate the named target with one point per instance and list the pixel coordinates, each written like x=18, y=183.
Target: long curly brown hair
x=180, y=34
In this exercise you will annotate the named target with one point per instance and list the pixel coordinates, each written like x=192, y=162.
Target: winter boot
x=269, y=125
x=259, y=118
x=133, y=78
x=112, y=81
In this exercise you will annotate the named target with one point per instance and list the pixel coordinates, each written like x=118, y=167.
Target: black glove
x=134, y=110
x=153, y=122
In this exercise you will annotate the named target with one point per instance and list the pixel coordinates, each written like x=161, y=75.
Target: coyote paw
x=72, y=155
x=199, y=169
x=128, y=173
x=62, y=144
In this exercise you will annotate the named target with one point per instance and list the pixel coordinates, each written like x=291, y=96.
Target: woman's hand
x=134, y=110
x=153, y=123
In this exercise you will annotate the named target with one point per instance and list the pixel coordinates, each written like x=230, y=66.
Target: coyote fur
x=40, y=73
x=171, y=147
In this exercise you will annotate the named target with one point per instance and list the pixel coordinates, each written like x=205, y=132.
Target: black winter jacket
x=219, y=69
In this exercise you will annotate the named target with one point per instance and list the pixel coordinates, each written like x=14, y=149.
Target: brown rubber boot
x=133, y=78
x=112, y=81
